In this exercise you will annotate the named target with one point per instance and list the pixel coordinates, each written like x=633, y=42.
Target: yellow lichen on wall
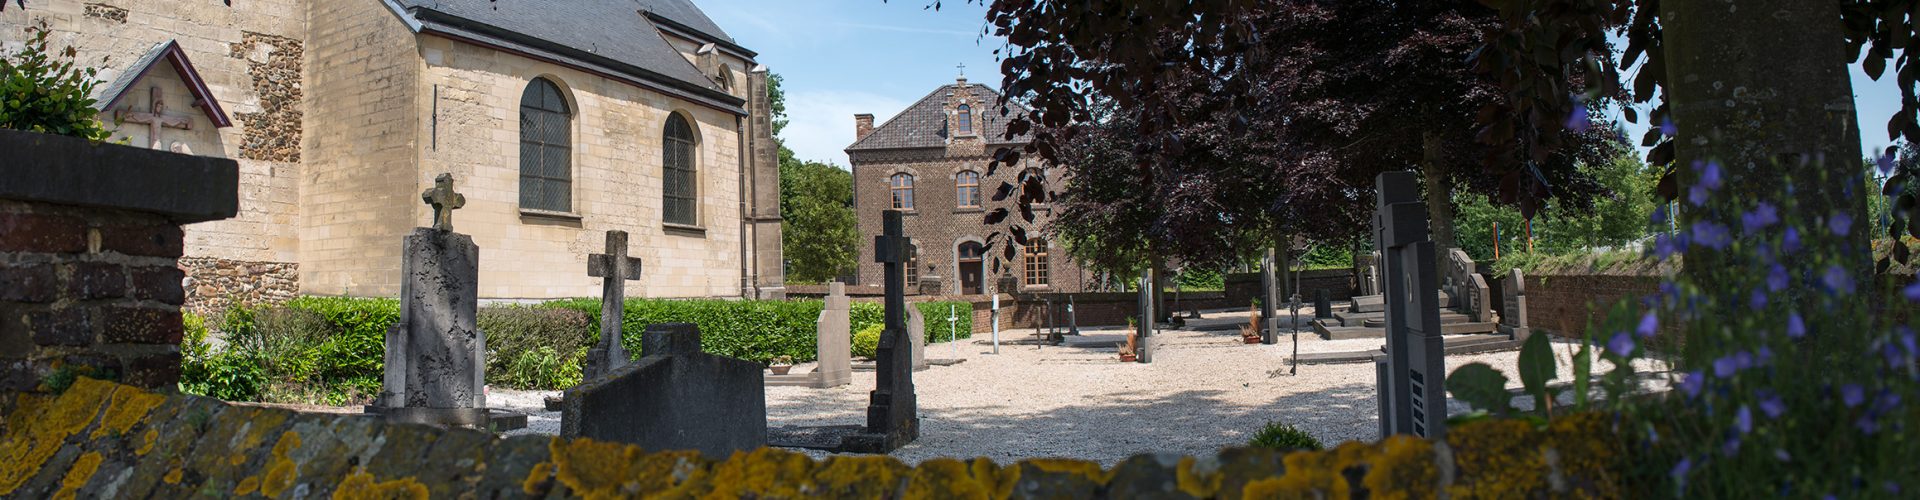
x=30, y=444
x=146, y=442
x=594, y=469
x=124, y=410
x=281, y=471
x=82, y=470
x=949, y=478
x=360, y=485
x=1403, y=469
x=173, y=476
x=1497, y=459
x=869, y=476
x=765, y=472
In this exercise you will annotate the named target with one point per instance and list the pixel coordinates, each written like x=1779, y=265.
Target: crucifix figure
x=155, y=118
x=616, y=268
x=444, y=201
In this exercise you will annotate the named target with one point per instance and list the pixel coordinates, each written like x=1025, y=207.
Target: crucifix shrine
x=616, y=268
x=155, y=118
x=893, y=416
x=444, y=201
x=1413, y=373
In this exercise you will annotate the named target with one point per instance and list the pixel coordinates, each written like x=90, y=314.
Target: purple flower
x=1764, y=355
x=1621, y=345
x=1667, y=128
x=1796, y=327
x=1664, y=246
x=1743, y=420
x=1725, y=367
x=1660, y=215
x=1782, y=455
x=1761, y=217
x=1731, y=447
x=1777, y=278
x=1891, y=487
x=1838, y=280
x=1907, y=339
x=1840, y=223
x=1853, y=395
x=1885, y=162
x=1681, y=469
x=1710, y=176
x=1712, y=235
x=1577, y=121
x=1867, y=424
x=1649, y=323
x=1758, y=300
x=1695, y=381
x=1742, y=360
x=1913, y=291
x=1791, y=242
x=1667, y=288
x=1697, y=195
x=1772, y=405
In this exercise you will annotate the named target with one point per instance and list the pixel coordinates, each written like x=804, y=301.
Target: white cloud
x=820, y=122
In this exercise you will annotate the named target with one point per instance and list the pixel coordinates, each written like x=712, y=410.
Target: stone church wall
x=251, y=59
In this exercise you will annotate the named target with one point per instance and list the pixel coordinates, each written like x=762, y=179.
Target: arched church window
x=681, y=202
x=546, y=148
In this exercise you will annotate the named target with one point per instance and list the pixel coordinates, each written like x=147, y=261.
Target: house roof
x=621, y=38
x=924, y=124
x=168, y=51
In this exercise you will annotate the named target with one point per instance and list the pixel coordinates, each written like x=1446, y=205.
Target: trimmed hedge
x=331, y=350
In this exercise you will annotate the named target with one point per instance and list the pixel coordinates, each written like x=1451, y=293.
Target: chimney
x=862, y=125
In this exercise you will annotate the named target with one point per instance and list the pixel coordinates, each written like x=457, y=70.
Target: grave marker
x=1144, y=349
x=1413, y=378
x=676, y=397
x=1514, y=321
x=893, y=416
x=615, y=268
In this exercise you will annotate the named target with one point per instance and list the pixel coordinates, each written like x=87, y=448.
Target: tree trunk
x=1439, y=198
x=1764, y=91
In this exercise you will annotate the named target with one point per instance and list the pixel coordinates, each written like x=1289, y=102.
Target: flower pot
x=780, y=369
x=1251, y=340
x=1128, y=358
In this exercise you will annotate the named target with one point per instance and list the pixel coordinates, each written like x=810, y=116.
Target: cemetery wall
x=617, y=128
x=1241, y=288
x=104, y=440
x=1564, y=304
x=251, y=59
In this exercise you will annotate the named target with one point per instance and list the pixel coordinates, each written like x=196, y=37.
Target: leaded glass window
x=546, y=148
x=681, y=198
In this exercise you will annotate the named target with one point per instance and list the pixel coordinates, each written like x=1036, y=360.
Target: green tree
x=1614, y=221
x=818, y=233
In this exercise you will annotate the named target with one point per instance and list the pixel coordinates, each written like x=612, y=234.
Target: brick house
x=931, y=161
x=559, y=120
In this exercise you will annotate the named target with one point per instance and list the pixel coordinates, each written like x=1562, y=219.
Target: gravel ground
x=1205, y=390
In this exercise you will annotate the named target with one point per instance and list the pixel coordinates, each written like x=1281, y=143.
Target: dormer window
x=966, y=119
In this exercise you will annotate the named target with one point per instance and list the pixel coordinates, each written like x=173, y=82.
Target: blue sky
x=841, y=57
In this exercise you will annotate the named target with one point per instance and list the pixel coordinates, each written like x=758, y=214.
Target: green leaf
x=1537, y=366
x=1481, y=387
x=1582, y=374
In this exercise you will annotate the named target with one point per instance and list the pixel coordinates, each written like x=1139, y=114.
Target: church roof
x=170, y=52
x=621, y=37
x=924, y=124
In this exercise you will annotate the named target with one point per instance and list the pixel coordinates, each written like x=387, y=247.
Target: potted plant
x=781, y=364
x=1251, y=333
x=1129, y=352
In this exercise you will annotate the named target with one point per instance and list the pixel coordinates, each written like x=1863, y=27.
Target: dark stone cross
x=444, y=201
x=616, y=268
x=1413, y=375
x=893, y=418
x=155, y=118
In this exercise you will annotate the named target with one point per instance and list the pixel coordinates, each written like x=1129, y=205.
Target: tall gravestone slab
x=917, y=335
x=1468, y=289
x=675, y=397
x=435, y=354
x=1144, y=347
x=1269, y=298
x=1514, y=322
x=893, y=413
x=1414, y=376
x=832, y=344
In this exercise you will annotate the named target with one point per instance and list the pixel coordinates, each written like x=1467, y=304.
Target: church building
x=559, y=121
x=930, y=161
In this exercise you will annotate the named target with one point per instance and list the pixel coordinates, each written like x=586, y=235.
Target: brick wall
x=88, y=291
x=1564, y=304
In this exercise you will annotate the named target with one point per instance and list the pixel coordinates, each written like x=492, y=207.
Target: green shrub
x=535, y=348
x=933, y=313
x=1284, y=437
x=752, y=330
x=44, y=91
x=866, y=341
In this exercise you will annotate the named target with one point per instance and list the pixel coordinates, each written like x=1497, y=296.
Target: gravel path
x=1205, y=390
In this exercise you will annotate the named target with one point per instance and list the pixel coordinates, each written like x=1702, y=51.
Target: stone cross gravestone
x=615, y=268
x=675, y=397
x=435, y=355
x=1414, y=375
x=1513, y=322
x=893, y=414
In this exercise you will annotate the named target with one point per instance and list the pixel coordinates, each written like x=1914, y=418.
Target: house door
x=972, y=275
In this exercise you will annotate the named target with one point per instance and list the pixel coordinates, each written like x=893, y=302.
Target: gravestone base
x=867, y=442
x=490, y=419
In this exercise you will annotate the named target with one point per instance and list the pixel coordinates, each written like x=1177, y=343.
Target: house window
x=546, y=148
x=913, y=265
x=902, y=191
x=1036, y=262
x=680, y=205
x=967, y=194
x=966, y=120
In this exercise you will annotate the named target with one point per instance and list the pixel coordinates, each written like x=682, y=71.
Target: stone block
x=96, y=280
x=32, y=283
x=673, y=398
x=42, y=233
x=65, y=326
x=140, y=325
x=154, y=371
x=160, y=284
x=144, y=240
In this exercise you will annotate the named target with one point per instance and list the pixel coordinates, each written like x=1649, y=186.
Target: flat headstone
x=675, y=397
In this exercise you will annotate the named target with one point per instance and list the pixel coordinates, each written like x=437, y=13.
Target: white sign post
x=953, y=332
x=995, y=318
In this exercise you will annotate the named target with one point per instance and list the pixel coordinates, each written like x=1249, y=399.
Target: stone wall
x=109, y=441
x=214, y=285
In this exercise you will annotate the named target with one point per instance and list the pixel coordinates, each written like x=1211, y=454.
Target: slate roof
x=924, y=124
x=613, y=36
x=109, y=97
